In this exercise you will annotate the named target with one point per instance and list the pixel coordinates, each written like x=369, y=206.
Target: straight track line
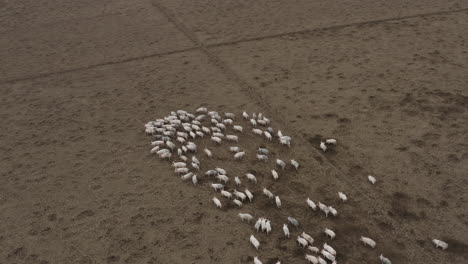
x=201, y=45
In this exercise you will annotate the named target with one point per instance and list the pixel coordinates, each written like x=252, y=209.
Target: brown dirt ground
x=79, y=79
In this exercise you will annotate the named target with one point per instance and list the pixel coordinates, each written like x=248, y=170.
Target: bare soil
x=79, y=80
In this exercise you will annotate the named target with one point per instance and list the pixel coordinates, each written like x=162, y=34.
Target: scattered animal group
x=173, y=139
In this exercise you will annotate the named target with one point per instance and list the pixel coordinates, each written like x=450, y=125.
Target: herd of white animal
x=174, y=135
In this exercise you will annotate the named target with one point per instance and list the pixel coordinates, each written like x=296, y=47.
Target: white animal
x=261, y=122
x=332, y=210
x=216, y=140
x=192, y=147
x=329, y=249
x=222, y=178
x=179, y=164
x=268, y=193
x=293, y=221
x=194, y=159
x=384, y=260
x=371, y=179
x=168, y=134
x=239, y=195
x=232, y=138
x=254, y=242
x=278, y=202
x=228, y=121
x=217, y=186
x=201, y=110
x=284, y=141
x=200, y=117
x=194, y=179
x=157, y=143
x=213, y=113
x=321, y=261
x=182, y=134
x=211, y=173
x=262, y=157
x=328, y=255
x=295, y=164
x=245, y=115
x=275, y=174
x=238, y=128
x=251, y=177
x=220, y=135
x=226, y=194
x=234, y=149
x=229, y=115
x=221, y=171
x=280, y=134
x=313, y=249
x=195, y=166
x=286, y=230
x=217, y=202
x=311, y=259
x=208, y=152
x=239, y=155
x=237, y=202
x=440, y=244
x=161, y=151
x=170, y=145
x=184, y=149
x=206, y=130
x=302, y=242
x=187, y=176
x=246, y=217
x=257, y=131
x=342, y=196
x=221, y=126
x=184, y=158
x=181, y=170
x=267, y=135
x=331, y=141
x=324, y=208
x=307, y=237
x=368, y=241
x=329, y=233
x=257, y=261
x=268, y=226
x=263, y=151
x=323, y=146
x=238, y=181
x=249, y=194
x=258, y=224
x=253, y=122
x=150, y=130
x=154, y=150
x=264, y=224
x=311, y=204
x=280, y=163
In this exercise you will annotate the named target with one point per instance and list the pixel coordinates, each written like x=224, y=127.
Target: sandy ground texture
x=79, y=79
